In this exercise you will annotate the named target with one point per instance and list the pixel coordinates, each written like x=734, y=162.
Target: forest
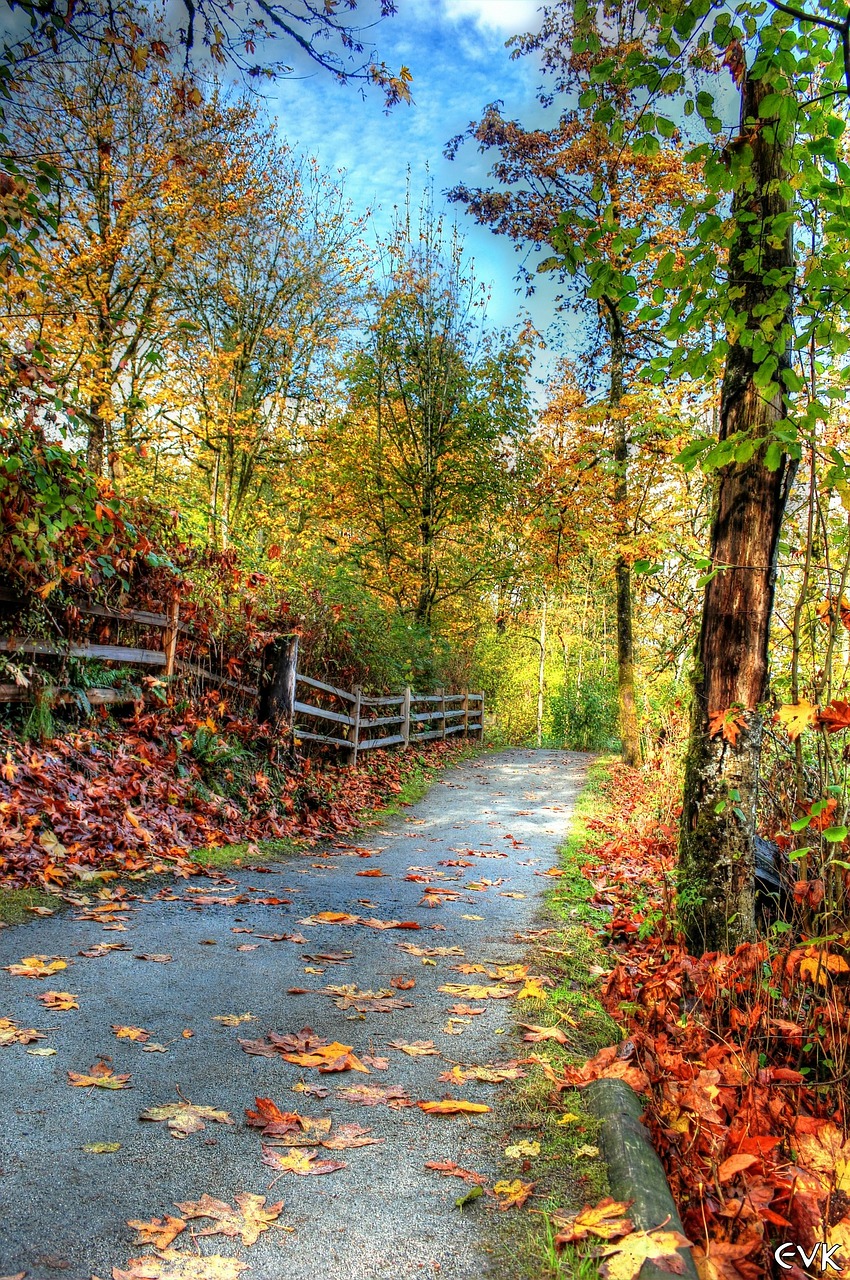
x=237, y=407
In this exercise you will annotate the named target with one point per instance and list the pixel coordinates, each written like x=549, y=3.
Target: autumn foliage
x=147, y=806
x=741, y=1057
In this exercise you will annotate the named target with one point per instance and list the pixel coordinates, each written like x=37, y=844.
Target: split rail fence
x=349, y=722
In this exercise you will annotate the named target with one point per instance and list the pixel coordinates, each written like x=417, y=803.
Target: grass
x=15, y=904
x=221, y=857
x=565, y=1174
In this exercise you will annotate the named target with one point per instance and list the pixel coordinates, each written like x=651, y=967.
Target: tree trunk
x=716, y=853
x=629, y=735
x=541, y=673
x=277, y=682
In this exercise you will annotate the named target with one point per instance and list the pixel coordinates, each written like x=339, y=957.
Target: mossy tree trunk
x=716, y=855
x=628, y=721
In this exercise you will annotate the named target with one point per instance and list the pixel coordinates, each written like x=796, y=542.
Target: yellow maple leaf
x=797, y=716
x=623, y=1260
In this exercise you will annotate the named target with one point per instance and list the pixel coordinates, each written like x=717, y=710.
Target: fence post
x=466, y=714
x=355, y=737
x=278, y=670
x=481, y=704
x=405, y=728
x=443, y=708
x=169, y=636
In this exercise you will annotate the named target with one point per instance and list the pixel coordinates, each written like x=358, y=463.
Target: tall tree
x=734, y=309
x=263, y=311
x=577, y=186
x=131, y=205
x=424, y=457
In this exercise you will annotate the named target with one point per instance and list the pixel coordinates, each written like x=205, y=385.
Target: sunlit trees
x=131, y=205
x=263, y=309
x=421, y=466
x=578, y=186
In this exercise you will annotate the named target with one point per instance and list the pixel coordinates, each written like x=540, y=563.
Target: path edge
x=635, y=1171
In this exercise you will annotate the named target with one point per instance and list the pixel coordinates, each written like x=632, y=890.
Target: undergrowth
x=568, y=1172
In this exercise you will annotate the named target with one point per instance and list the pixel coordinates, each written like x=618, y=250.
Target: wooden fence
x=346, y=719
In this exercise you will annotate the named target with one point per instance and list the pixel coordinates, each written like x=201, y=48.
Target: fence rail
x=422, y=717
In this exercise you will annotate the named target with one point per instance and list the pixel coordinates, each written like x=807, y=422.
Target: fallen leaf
x=100, y=1076
x=131, y=1033
x=183, y=1118
x=532, y=990
x=537, y=1034
x=623, y=1260
x=346, y=1136
x=469, y=1197
x=452, y=1170
x=11, y=1033
x=586, y=1149
x=159, y=1232
x=452, y=1107
x=375, y=1095
x=41, y=1053
x=521, y=1150
x=37, y=967
x=173, y=1265
x=102, y=1148
x=233, y=1019
x=60, y=1000
x=735, y=1164
x=248, y=1220
x=476, y=992
x=604, y=1221
x=299, y=1162
x=512, y=1195
x=415, y=1048
x=158, y=959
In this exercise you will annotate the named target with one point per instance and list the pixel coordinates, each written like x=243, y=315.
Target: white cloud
x=510, y=16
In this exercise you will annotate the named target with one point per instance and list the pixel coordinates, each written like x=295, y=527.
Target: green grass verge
x=566, y=1172
x=15, y=904
x=223, y=856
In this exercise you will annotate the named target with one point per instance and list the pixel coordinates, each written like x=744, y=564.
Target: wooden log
x=394, y=701
x=355, y=734
x=277, y=681
x=322, y=737
x=169, y=638
x=97, y=697
x=307, y=709
x=406, y=726
x=193, y=669
x=326, y=688
x=426, y=737
x=379, y=720
x=107, y=652
x=368, y=743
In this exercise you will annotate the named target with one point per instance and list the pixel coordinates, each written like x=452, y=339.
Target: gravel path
x=64, y=1210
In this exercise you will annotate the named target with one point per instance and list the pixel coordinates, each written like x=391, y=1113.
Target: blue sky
x=456, y=51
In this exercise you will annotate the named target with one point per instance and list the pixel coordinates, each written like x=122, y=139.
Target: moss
x=236, y=855
x=15, y=904
x=574, y=959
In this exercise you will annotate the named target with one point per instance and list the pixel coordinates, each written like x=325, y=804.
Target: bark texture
x=716, y=859
x=628, y=721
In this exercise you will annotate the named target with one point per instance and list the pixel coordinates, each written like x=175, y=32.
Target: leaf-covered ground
x=293, y=1072
x=742, y=1058
x=143, y=797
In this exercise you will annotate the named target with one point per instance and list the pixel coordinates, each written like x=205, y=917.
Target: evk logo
x=821, y=1257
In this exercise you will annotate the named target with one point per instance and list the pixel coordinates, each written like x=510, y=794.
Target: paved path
x=64, y=1210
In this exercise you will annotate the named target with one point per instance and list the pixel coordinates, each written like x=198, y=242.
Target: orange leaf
x=452, y=1107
